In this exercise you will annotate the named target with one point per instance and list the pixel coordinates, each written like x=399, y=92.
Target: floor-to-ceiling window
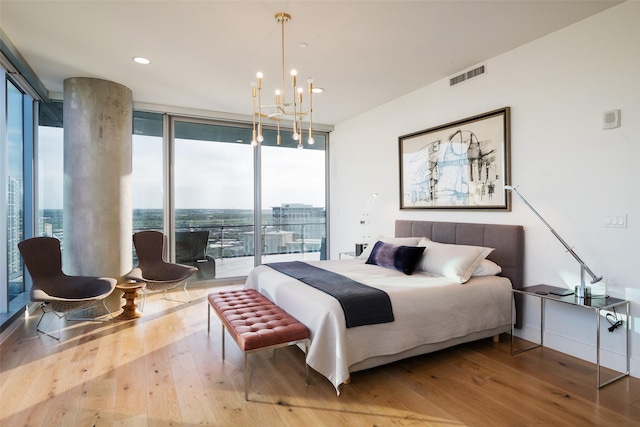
x=213, y=190
x=148, y=172
x=15, y=188
x=50, y=170
x=201, y=176
x=293, y=197
x=16, y=155
x=218, y=176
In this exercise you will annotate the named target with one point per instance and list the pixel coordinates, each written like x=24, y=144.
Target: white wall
x=570, y=169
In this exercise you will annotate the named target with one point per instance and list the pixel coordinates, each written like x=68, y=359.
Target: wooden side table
x=130, y=309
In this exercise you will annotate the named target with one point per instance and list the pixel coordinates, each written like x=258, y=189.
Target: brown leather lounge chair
x=53, y=289
x=152, y=269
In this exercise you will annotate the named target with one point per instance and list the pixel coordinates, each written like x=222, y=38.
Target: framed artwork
x=458, y=165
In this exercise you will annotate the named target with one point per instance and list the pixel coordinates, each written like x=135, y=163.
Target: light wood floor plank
x=131, y=401
x=163, y=369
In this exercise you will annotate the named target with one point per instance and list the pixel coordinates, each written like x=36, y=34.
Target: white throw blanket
x=427, y=309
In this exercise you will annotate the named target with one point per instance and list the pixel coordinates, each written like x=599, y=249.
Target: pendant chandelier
x=283, y=108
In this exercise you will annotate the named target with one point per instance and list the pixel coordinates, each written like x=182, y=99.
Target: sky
x=14, y=131
x=207, y=175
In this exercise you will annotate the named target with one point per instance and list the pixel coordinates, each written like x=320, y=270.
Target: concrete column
x=98, y=117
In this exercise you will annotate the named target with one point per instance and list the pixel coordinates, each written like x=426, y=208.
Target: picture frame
x=459, y=165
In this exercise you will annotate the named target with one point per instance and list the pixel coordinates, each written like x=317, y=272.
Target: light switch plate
x=615, y=220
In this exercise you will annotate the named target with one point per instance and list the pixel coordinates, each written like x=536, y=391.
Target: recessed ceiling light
x=317, y=90
x=141, y=60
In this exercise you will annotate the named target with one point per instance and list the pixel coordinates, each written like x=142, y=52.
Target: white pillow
x=455, y=262
x=487, y=268
x=399, y=241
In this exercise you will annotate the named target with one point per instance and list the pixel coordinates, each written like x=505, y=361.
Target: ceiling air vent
x=468, y=74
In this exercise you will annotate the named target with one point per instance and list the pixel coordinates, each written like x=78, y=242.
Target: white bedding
x=427, y=309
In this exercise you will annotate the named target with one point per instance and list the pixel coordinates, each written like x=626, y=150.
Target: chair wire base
x=66, y=316
x=146, y=291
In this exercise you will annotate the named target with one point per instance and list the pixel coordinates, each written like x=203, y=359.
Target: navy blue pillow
x=401, y=258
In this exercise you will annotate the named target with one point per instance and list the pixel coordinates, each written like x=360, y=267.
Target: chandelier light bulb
x=296, y=136
x=260, y=138
x=310, y=141
x=254, y=143
x=300, y=147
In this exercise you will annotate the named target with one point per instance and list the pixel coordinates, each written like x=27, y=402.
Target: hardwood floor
x=164, y=370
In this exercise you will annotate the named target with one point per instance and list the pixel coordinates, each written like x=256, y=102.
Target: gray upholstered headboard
x=508, y=241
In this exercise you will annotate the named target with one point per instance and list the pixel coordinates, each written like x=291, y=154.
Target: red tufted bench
x=255, y=323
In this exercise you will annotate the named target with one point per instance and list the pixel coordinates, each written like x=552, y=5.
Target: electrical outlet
x=615, y=220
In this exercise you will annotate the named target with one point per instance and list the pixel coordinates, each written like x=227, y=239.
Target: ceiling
x=204, y=54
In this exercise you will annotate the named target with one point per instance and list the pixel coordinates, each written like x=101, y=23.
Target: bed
x=430, y=311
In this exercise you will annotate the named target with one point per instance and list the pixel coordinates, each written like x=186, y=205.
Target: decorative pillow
x=400, y=241
x=487, y=268
x=401, y=258
x=455, y=262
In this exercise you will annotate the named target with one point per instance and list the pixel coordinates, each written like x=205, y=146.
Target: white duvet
x=427, y=309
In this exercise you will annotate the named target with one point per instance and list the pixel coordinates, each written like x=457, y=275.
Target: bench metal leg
x=306, y=367
x=246, y=378
x=223, y=342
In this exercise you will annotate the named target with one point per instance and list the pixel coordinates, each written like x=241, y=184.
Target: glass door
x=147, y=176
x=293, y=199
x=213, y=196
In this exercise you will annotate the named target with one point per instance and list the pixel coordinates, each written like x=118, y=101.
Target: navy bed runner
x=362, y=304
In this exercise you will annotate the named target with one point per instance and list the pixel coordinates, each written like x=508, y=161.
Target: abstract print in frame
x=459, y=165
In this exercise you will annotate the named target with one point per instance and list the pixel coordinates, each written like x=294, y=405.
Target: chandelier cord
x=282, y=22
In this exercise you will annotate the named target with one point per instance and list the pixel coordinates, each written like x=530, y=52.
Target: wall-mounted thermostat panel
x=611, y=119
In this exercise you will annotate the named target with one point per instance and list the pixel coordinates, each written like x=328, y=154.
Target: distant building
x=296, y=228
x=305, y=221
x=14, y=235
x=273, y=242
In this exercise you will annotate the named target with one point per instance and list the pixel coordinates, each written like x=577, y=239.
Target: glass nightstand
x=551, y=293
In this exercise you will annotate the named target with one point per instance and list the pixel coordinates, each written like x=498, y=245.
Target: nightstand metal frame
x=596, y=304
